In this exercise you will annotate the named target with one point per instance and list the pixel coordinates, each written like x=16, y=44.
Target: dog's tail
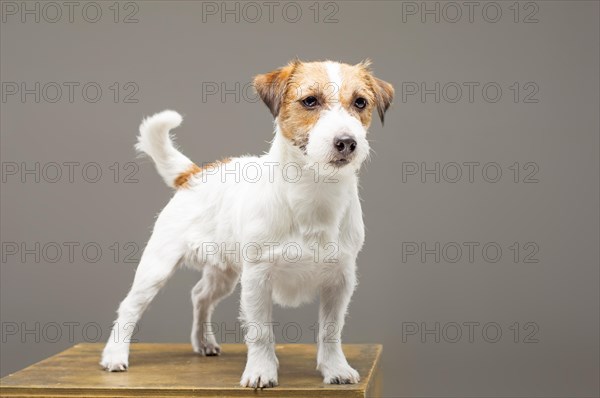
x=154, y=140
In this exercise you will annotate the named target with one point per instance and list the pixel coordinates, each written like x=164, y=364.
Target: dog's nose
x=344, y=144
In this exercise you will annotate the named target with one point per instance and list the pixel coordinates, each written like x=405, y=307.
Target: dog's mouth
x=340, y=162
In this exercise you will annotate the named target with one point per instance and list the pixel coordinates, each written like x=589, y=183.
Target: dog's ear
x=271, y=86
x=384, y=94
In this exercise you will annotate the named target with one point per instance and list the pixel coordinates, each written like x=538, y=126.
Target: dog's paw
x=259, y=377
x=114, y=362
x=343, y=374
x=207, y=349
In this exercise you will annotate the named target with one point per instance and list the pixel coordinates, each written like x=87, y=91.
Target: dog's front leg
x=257, y=309
x=336, y=290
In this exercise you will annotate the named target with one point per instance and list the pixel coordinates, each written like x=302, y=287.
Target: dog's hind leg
x=215, y=285
x=159, y=260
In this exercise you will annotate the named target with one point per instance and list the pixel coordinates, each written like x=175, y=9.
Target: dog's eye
x=310, y=102
x=360, y=103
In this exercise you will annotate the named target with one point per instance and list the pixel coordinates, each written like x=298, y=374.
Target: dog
x=301, y=194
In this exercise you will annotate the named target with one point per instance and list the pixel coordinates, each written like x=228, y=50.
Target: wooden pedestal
x=173, y=370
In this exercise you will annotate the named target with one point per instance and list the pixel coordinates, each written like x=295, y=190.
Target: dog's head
x=324, y=109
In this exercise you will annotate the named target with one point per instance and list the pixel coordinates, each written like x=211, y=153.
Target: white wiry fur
x=224, y=208
x=154, y=140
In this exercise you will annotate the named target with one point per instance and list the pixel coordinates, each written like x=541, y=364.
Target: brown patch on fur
x=214, y=164
x=360, y=82
x=384, y=94
x=357, y=83
x=271, y=86
x=295, y=120
x=183, y=179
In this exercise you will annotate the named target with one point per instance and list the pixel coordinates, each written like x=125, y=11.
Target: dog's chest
x=309, y=247
x=314, y=211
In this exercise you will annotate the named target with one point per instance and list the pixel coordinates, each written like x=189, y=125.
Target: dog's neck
x=283, y=152
x=317, y=203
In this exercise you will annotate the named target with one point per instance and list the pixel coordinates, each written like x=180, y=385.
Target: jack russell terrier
x=294, y=215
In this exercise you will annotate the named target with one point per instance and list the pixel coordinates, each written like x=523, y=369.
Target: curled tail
x=154, y=140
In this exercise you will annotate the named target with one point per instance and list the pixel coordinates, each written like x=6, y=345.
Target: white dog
x=289, y=223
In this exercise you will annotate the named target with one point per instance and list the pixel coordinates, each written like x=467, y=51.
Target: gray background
x=170, y=52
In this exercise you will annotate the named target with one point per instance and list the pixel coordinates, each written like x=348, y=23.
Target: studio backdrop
x=480, y=271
